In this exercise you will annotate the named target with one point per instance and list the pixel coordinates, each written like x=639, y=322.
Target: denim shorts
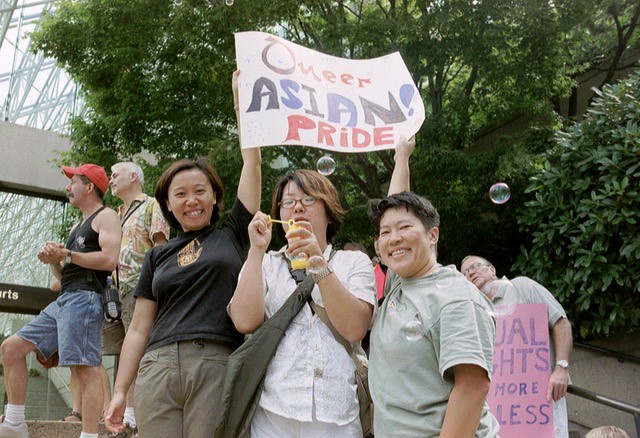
x=71, y=325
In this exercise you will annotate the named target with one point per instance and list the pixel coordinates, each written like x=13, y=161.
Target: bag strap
x=361, y=367
x=132, y=208
x=322, y=314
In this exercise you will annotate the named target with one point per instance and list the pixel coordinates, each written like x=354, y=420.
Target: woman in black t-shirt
x=180, y=335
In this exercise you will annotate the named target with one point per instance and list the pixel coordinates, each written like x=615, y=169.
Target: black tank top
x=83, y=238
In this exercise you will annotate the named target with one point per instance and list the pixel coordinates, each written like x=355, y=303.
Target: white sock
x=14, y=415
x=88, y=435
x=129, y=417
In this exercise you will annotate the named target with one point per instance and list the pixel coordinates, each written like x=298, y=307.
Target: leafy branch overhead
x=155, y=76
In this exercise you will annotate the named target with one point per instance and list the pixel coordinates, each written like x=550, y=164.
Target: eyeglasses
x=473, y=268
x=290, y=202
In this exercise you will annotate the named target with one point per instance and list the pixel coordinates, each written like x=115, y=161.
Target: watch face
x=563, y=363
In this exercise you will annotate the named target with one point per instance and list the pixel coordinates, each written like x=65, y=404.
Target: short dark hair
x=313, y=184
x=162, y=187
x=86, y=181
x=418, y=205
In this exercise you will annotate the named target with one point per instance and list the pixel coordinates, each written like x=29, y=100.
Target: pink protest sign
x=521, y=370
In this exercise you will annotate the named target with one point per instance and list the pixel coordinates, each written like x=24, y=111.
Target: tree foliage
x=583, y=222
x=155, y=76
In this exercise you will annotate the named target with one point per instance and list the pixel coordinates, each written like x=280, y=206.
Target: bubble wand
x=290, y=222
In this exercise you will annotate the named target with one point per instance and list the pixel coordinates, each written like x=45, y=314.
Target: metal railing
x=604, y=400
x=607, y=401
x=621, y=357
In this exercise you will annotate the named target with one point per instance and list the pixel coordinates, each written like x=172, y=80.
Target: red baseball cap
x=95, y=173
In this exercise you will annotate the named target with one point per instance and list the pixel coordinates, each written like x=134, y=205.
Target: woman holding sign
x=309, y=389
x=432, y=342
x=181, y=335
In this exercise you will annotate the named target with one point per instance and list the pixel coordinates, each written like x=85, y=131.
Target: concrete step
x=59, y=429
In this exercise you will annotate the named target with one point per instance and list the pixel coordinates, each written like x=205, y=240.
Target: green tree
x=163, y=86
x=583, y=221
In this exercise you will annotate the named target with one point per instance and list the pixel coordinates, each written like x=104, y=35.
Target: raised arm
x=249, y=186
x=401, y=177
x=247, y=306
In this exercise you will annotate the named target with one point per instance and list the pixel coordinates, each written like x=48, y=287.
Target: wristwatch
x=563, y=363
x=67, y=259
x=322, y=273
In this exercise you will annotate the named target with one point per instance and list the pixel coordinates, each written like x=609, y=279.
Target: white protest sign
x=289, y=94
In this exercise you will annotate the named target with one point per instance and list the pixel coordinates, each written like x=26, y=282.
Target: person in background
x=432, y=317
x=143, y=227
x=381, y=272
x=355, y=246
x=523, y=290
x=70, y=325
x=181, y=335
x=607, y=432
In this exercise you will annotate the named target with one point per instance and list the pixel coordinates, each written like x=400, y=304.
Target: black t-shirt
x=192, y=278
x=83, y=238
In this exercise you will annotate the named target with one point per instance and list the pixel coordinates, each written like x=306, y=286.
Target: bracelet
x=236, y=107
x=324, y=273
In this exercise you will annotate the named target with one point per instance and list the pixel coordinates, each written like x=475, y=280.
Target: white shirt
x=311, y=377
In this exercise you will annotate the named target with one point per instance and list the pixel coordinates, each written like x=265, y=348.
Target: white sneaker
x=9, y=431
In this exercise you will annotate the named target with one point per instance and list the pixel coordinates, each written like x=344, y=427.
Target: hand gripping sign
x=289, y=94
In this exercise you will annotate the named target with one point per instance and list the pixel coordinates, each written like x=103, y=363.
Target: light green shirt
x=424, y=328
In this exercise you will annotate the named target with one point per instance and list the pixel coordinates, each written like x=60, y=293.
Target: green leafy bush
x=582, y=223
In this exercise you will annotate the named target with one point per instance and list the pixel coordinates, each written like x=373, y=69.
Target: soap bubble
x=229, y=2
x=326, y=165
x=501, y=289
x=499, y=193
x=413, y=330
x=503, y=310
x=445, y=283
x=315, y=264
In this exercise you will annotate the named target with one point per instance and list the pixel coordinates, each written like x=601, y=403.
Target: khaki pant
x=178, y=389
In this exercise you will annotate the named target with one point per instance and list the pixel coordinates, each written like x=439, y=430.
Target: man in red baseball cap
x=71, y=325
x=94, y=173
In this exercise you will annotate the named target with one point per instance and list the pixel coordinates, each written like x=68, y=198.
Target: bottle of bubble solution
x=112, y=308
x=299, y=261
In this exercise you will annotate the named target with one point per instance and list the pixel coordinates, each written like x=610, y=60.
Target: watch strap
x=322, y=274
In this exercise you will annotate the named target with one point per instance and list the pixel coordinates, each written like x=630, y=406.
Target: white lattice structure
x=33, y=90
x=26, y=223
